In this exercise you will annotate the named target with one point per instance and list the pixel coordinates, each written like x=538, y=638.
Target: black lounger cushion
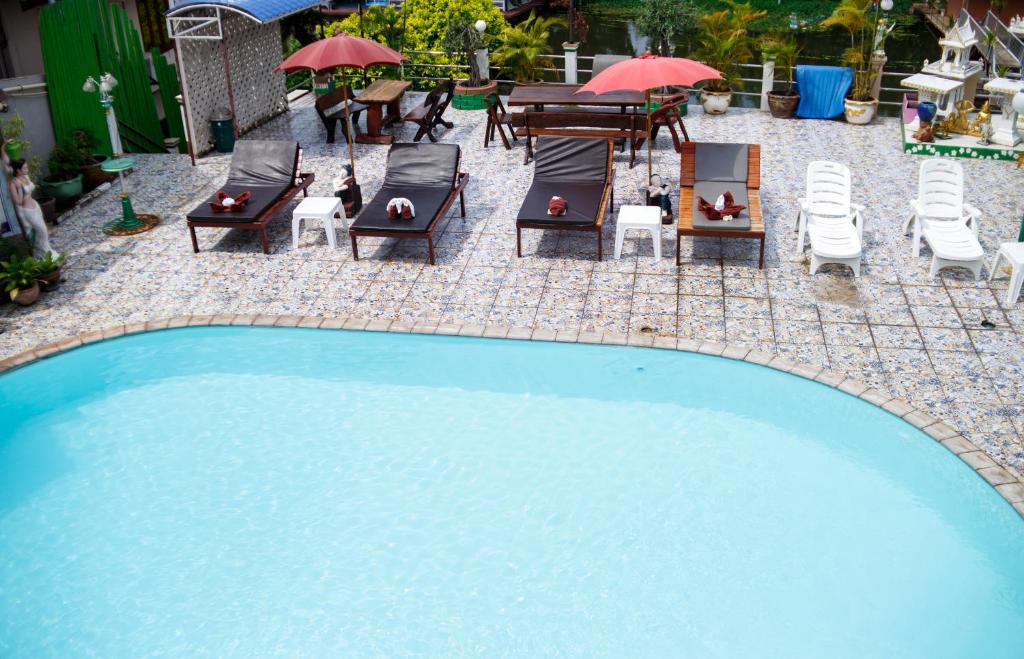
x=422, y=173
x=263, y=197
x=265, y=168
x=573, y=168
x=264, y=162
x=720, y=162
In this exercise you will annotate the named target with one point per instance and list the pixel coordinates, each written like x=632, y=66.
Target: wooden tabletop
x=384, y=91
x=556, y=94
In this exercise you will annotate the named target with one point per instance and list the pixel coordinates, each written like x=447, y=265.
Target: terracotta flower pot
x=92, y=175
x=783, y=105
x=715, y=102
x=51, y=281
x=28, y=296
x=860, y=112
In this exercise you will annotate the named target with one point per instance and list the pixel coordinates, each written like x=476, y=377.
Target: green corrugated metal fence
x=167, y=78
x=89, y=37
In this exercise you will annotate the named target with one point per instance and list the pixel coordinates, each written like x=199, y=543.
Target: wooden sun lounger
x=426, y=174
x=749, y=178
x=578, y=170
x=266, y=169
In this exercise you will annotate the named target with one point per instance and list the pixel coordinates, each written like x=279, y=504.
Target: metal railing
x=1009, y=41
x=421, y=69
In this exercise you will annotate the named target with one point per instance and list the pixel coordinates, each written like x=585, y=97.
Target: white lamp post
x=105, y=86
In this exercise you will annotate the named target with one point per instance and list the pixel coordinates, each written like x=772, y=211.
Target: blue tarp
x=822, y=90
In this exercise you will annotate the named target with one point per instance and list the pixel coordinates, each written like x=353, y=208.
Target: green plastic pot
x=62, y=189
x=14, y=150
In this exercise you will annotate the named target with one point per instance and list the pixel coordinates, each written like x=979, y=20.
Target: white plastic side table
x=322, y=209
x=644, y=218
x=1014, y=255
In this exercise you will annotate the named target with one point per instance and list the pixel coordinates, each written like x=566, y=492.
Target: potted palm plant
x=725, y=43
x=860, y=19
x=20, y=281
x=12, y=130
x=782, y=48
x=524, y=48
x=462, y=38
x=65, y=178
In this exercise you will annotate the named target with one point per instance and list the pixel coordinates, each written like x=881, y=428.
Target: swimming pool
x=252, y=491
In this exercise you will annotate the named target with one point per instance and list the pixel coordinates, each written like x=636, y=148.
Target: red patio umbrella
x=340, y=51
x=648, y=72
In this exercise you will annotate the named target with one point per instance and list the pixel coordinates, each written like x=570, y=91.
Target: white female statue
x=29, y=212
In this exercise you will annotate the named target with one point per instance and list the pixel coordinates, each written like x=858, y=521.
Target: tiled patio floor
x=894, y=328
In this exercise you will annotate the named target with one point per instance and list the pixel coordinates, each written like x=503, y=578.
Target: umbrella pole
x=649, y=140
x=348, y=124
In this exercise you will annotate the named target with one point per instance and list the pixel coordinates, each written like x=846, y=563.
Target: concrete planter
x=472, y=98
x=860, y=113
x=715, y=102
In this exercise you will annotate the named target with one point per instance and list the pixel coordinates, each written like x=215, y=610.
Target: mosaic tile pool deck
x=894, y=329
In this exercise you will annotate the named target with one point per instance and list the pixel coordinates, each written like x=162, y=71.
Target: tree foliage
x=725, y=43
x=524, y=48
x=663, y=21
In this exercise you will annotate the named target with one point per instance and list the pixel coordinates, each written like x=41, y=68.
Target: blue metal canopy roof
x=263, y=11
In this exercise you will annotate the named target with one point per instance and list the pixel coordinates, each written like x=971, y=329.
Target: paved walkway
x=894, y=328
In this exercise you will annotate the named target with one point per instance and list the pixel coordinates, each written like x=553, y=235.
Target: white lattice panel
x=252, y=51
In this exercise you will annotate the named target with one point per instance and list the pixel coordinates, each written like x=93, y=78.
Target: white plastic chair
x=827, y=216
x=944, y=220
x=828, y=200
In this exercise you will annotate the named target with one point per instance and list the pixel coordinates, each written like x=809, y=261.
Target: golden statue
x=959, y=120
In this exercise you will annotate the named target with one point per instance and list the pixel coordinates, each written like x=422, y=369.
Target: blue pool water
x=251, y=492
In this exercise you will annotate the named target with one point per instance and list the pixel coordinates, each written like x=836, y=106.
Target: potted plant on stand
x=524, y=48
x=12, y=130
x=860, y=19
x=724, y=45
x=19, y=277
x=64, y=181
x=462, y=39
x=783, y=50
x=92, y=175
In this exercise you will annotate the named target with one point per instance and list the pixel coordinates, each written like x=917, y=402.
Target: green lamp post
x=129, y=222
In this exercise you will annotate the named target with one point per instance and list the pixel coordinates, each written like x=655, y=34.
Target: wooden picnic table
x=561, y=94
x=379, y=94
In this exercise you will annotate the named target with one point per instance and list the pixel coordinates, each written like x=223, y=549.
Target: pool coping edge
x=1002, y=480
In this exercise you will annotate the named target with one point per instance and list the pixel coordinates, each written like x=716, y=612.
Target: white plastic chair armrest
x=915, y=205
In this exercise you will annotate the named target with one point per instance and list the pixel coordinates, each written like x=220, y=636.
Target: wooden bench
x=579, y=123
x=331, y=107
x=430, y=114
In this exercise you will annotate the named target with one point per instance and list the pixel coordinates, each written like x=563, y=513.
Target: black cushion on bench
x=584, y=201
x=711, y=190
x=264, y=162
x=426, y=201
x=573, y=168
x=265, y=168
x=263, y=196
x=424, y=174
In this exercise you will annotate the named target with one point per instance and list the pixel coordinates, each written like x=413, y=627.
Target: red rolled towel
x=710, y=212
x=226, y=204
x=557, y=206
